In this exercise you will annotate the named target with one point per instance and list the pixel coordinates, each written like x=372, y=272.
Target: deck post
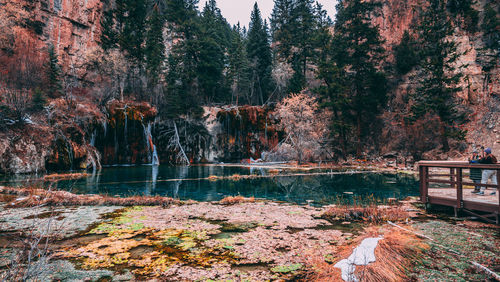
x=423, y=170
x=498, y=194
x=421, y=176
x=426, y=184
x=459, y=188
x=490, y=210
x=452, y=175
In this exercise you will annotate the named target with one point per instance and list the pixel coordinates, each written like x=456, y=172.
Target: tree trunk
x=178, y=142
x=444, y=139
x=358, y=132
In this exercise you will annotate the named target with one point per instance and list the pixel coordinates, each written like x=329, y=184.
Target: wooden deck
x=448, y=184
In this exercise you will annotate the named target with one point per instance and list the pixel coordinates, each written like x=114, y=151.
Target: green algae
x=287, y=268
x=153, y=254
x=453, y=249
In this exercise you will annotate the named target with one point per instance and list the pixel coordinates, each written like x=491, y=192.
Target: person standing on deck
x=489, y=158
x=475, y=173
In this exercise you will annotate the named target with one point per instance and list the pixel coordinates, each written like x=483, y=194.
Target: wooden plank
x=423, y=196
x=471, y=205
x=426, y=183
x=480, y=206
x=442, y=201
x=433, y=180
x=453, y=184
x=459, y=188
x=456, y=180
x=479, y=184
x=452, y=164
x=498, y=191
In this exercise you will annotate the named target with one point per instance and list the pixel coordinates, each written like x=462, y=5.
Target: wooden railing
x=455, y=179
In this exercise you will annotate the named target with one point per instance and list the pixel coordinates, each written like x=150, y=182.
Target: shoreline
x=236, y=238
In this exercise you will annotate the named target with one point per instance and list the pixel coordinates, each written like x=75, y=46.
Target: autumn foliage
x=305, y=128
x=236, y=200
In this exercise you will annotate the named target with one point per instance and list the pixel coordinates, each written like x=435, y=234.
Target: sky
x=239, y=10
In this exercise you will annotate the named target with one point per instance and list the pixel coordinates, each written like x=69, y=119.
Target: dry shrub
x=367, y=209
x=396, y=254
x=36, y=196
x=372, y=213
x=321, y=271
x=64, y=176
x=274, y=171
x=236, y=200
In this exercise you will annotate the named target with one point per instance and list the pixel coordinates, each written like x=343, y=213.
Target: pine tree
x=260, y=58
x=39, y=100
x=303, y=34
x=154, y=50
x=405, y=54
x=489, y=56
x=468, y=16
x=439, y=76
x=357, y=52
x=212, y=56
x=491, y=28
x=281, y=27
x=132, y=22
x=54, y=80
x=108, y=34
x=238, y=72
x=182, y=93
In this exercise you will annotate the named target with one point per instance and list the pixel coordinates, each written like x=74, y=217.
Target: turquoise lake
x=319, y=186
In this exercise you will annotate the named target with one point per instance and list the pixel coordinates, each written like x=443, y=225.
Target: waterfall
x=105, y=127
x=92, y=138
x=155, y=160
x=153, y=155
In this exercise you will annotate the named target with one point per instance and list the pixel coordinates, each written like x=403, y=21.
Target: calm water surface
x=185, y=183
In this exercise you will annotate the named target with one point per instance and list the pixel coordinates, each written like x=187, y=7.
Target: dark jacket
x=490, y=159
x=475, y=173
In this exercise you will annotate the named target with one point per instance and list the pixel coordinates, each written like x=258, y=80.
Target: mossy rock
x=238, y=227
x=172, y=241
x=287, y=268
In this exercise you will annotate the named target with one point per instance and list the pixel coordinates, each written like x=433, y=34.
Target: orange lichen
x=64, y=176
x=37, y=196
x=236, y=200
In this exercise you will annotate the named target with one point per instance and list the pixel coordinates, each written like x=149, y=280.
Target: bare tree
x=305, y=126
x=31, y=254
x=16, y=102
x=112, y=66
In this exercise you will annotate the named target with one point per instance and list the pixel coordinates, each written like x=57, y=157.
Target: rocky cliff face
x=72, y=26
x=242, y=132
x=481, y=89
x=79, y=136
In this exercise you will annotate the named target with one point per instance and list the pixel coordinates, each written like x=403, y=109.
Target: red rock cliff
x=72, y=26
x=481, y=90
